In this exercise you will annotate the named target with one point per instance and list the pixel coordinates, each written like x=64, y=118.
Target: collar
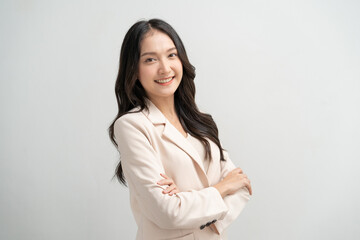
x=153, y=113
x=171, y=133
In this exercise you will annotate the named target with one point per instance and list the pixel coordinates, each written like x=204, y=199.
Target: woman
x=182, y=183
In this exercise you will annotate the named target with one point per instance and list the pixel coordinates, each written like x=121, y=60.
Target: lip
x=167, y=83
x=165, y=78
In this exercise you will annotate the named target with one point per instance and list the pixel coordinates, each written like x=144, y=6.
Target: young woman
x=182, y=183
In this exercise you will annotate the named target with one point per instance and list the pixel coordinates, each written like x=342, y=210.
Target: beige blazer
x=149, y=145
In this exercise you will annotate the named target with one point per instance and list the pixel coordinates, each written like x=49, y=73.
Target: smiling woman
x=182, y=183
x=159, y=65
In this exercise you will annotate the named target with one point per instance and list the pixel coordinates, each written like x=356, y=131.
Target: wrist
x=221, y=188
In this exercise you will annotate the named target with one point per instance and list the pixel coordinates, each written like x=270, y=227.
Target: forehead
x=156, y=41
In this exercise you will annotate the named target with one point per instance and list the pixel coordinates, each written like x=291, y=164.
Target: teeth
x=164, y=81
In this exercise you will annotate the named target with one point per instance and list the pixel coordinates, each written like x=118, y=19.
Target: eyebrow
x=154, y=53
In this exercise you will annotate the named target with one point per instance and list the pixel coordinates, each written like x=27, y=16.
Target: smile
x=164, y=80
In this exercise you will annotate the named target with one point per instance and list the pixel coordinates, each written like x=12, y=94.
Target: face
x=160, y=69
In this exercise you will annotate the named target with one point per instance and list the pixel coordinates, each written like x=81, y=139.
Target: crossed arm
x=229, y=170
x=172, y=189
x=142, y=167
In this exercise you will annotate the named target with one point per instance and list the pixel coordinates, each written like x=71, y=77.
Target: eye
x=150, y=60
x=173, y=55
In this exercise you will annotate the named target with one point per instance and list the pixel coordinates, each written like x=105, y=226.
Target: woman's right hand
x=234, y=181
x=172, y=189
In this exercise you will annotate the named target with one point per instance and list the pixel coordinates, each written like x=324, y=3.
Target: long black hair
x=130, y=93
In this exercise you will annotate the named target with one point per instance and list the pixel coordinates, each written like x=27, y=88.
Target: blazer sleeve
x=142, y=168
x=235, y=202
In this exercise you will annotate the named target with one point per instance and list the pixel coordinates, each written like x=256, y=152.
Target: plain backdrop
x=280, y=78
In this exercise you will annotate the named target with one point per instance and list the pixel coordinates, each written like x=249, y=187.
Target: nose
x=164, y=67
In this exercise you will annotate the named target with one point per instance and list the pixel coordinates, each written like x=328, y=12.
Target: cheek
x=146, y=77
x=179, y=67
x=144, y=73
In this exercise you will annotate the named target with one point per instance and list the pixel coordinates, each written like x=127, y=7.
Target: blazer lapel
x=173, y=135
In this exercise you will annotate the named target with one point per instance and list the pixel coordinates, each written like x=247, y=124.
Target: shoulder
x=134, y=120
x=132, y=128
x=133, y=115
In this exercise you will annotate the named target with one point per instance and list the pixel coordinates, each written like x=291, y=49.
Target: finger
x=165, y=182
x=163, y=175
x=243, y=176
x=169, y=189
x=174, y=191
x=237, y=170
x=248, y=186
x=213, y=227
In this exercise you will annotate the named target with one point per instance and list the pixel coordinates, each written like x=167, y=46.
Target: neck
x=166, y=106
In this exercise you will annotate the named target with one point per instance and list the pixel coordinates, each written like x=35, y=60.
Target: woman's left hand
x=172, y=189
x=213, y=227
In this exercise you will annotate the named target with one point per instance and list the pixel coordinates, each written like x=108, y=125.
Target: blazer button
x=213, y=221
x=202, y=227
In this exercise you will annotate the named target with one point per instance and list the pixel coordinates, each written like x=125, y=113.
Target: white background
x=280, y=78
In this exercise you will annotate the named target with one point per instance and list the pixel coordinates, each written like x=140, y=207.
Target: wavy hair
x=130, y=93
